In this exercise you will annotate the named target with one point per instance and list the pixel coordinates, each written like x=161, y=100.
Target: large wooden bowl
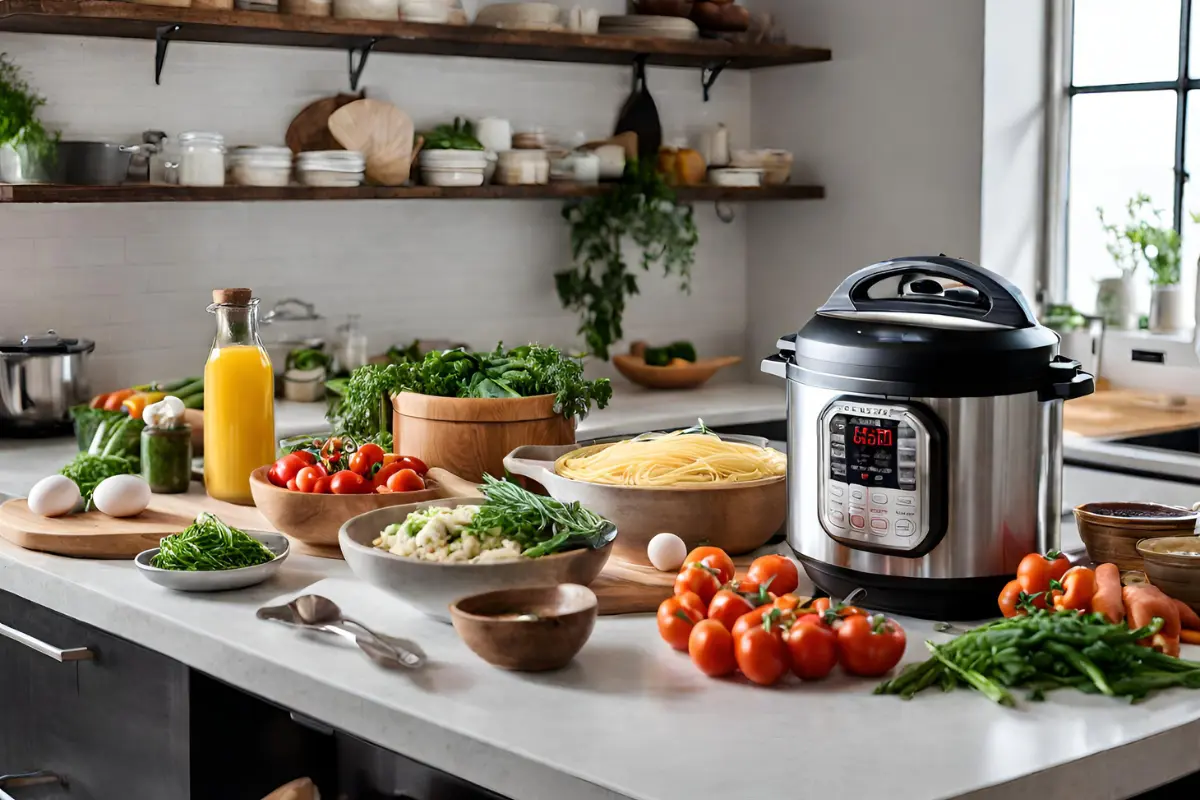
x=313, y=520
x=470, y=436
x=737, y=517
x=682, y=377
x=431, y=587
x=1111, y=531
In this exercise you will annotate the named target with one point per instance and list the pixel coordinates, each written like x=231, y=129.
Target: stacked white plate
x=647, y=25
x=330, y=167
x=453, y=167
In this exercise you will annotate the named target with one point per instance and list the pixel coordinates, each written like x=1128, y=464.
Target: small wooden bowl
x=529, y=630
x=313, y=520
x=1172, y=563
x=638, y=371
x=1111, y=531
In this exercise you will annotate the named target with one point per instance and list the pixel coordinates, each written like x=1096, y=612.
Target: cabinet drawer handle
x=39, y=778
x=58, y=654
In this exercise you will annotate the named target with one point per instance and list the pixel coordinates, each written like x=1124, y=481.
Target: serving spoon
x=315, y=612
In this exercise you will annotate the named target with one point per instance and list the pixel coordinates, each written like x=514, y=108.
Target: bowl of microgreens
x=210, y=556
x=433, y=553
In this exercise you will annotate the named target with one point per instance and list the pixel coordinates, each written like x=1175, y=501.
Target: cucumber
x=171, y=387
x=189, y=389
x=193, y=400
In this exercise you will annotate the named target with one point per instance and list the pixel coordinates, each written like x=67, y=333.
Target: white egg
x=53, y=496
x=122, y=495
x=666, y=552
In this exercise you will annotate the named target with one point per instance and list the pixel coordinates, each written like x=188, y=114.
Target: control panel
x=876, y=474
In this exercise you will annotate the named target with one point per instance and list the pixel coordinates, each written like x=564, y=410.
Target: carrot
x=1189, y=637
x=1143, y=603
x=1188, y=618
x=1107, y=599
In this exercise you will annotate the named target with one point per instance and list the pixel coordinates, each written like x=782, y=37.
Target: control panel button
x=906, y=432
x=839, y=470
x=908, y=476
x=905, y=500
x=838, y=518
x=837, y=425
x=879, y=524
x=837, y=438
x=836, y=491
x=858, y=493
x=858, y=522
x=879, y=498
x=837, y=451
x=904, y=528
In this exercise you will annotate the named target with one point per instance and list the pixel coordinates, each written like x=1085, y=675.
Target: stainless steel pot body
x=36, y=391
x=94, y=163
x=1003, y=476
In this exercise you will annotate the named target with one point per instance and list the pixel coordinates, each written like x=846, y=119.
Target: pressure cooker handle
x=989, y=298
x=1067, y=381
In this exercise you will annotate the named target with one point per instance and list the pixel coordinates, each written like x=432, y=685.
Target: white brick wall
x=136, y=277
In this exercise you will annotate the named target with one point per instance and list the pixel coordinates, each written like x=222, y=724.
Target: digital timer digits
x=873, y=437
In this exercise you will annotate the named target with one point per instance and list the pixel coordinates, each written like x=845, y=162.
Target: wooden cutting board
x=1118, y=413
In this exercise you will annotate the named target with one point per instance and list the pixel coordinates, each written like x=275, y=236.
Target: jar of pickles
x=166, y=447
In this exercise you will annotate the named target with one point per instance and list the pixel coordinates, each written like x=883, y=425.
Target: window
x=1135, y=128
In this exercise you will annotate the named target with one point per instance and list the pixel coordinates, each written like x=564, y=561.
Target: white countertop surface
x=630, y=718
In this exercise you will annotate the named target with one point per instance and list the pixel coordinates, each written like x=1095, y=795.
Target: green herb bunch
x=643, y=209
x=113, y=451
x=19, y=123
x=1144, y=237
x=541, y=525
x=459, y=136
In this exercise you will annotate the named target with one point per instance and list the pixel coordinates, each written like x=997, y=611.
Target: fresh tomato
x=692, y=601
x=98, y=401
x=285, y=469
x=700, y=580
x=406, y=462
x=113, y=401
x=406, y=480
x=1010, y=599
x=870, y=646
x=812, y=619
x=787, y=602
x=291, y=485
x=761, y=656
x=347, y=482
x=1036, y=571
x=305, y=456
x=813, y=648
x=823, y=605
x=728, y=607
x=778, y=573
x=385, y=472
x=361, y=463
x=767, y=616
x=712, y=649
x=307, y=478
x=373, y=452
x=324, y=486
x=676, y=620
x=752, y=591
x=714, y=558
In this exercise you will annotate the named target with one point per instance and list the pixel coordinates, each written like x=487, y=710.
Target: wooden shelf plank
x=35, y=193
x=132, y=21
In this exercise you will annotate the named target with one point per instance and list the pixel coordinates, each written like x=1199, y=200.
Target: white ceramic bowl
x=518, y=15
x=431, y=587
x=220, y=580
x=736, y=176
x=454, y=159
x=452, y=177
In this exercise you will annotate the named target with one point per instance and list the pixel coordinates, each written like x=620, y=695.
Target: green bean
x=209, y=544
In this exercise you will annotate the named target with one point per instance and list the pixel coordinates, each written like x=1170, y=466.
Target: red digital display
x=872, y=437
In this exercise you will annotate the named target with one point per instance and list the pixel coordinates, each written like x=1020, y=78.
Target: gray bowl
x=219, y=580
x=431, y=587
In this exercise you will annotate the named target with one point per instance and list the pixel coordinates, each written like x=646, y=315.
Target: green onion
x=208, y=544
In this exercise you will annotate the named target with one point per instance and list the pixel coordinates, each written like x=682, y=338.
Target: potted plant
x=304, y=375
x=1160, y=248
x=27, y=150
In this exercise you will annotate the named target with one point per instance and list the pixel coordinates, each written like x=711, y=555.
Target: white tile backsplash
x=137, y=277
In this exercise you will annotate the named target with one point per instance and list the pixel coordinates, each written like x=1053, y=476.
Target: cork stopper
x=234, y=297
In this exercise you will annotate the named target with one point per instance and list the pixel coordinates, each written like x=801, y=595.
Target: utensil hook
x=162, y=38
x=709, y=75
x=639, y=71
x=725, y=212
x=357, y=71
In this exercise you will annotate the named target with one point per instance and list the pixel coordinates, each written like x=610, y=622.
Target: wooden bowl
x=1172, y=563
x=638, y=371
x=1111, y=531
x=313, y=520
x=530, y=630
x=736, y=517
x=471, y=436
x=431, y=587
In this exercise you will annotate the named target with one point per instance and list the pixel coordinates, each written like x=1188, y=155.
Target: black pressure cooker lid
x=930, y=326
x=45, y=344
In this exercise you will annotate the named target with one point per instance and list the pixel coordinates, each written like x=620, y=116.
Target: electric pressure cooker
x=925, y=436
x=41, y=377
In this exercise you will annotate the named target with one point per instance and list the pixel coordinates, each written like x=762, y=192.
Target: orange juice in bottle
x=239, y=399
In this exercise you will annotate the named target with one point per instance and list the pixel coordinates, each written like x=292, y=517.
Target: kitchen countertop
x=630, y=718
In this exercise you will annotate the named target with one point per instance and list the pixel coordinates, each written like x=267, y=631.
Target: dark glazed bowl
x=1111, y=531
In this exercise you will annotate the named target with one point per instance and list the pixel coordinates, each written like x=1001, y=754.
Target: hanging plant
x=642, y=209
x=19, y=123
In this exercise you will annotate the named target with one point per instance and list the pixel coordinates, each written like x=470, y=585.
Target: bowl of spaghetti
x=722, y=490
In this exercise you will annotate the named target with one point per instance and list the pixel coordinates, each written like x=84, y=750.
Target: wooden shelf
x=34, y=193
x=131, y=21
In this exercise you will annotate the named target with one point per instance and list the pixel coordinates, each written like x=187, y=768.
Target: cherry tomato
x=715, y=558
x=361, y=464
x=813, y=648
x=813, y=619
x=307, y=478
x=699, y=580
x=823, y=604
x=712, y=650
x=870, y=646
x=347, y=482
x=676, y=620
x=691, y=600
x=756, y=619
x=412, y=462
x=385, y=472
x=285, y=469
x=787, y=602
x=305, y=456
x=323, y=486
x=778, y=573
x=752, y=591
x=1010, y=596
x=1036, y=571
x=291, y=484
x=373, y=452
x=761, y=656
x=405, y=481
x=728, y=607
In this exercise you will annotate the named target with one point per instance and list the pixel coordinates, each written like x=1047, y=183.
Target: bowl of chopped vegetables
x=210, y=556
x=433, y=553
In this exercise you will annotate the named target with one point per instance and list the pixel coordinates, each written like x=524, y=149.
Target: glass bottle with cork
x=239, y=399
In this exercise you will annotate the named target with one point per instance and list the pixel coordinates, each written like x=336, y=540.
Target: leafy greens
x=541, y=525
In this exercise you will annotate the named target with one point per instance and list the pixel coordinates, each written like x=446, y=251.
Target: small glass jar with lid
x=201, y=159
x=167, y=458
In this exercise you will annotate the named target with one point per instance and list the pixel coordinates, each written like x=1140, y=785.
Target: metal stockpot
x=42, y=377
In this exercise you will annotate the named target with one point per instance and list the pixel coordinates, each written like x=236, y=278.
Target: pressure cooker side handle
x=1067, y=381
x=999, y=301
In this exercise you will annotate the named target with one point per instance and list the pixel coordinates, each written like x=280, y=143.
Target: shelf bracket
x=162, y=38
x=357, y=71
x=725, y=212
x=709, y=75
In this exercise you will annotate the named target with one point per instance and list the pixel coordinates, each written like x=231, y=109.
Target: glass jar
x=201, y=159
x=167, y=458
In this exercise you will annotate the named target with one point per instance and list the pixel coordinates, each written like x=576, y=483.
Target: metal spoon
x=383, y=649
x=313, y=609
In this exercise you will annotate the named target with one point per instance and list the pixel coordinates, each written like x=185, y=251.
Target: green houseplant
x=641, y=209
x=31, y=148
x=1143, y=237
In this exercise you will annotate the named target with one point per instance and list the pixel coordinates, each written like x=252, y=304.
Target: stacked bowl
x=453, y=167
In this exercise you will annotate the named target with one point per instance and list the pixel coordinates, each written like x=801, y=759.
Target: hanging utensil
x=640, y=115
